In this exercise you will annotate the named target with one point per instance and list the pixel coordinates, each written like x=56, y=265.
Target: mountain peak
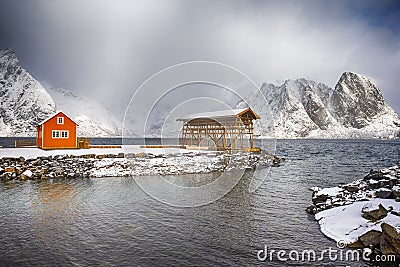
x=305, y=108
x=8, y=56
x=6, y=51
x=25, y=102
x=358, y=83
x=8, y=62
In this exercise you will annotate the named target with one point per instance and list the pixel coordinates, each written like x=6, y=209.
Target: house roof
x=221, y=114
x=55, y=114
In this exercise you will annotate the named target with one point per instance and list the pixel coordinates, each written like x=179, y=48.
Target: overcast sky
x=106, y=49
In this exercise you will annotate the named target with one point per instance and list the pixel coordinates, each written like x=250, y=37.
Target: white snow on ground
x=156, y=166
x=138, y=161
x=28, y=153
x=347, y=224
x=332, y=191
x=37, y=152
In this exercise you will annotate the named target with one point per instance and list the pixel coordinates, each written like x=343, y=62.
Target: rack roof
x=221, y=114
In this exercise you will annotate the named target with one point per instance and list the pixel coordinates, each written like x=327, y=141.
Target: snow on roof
x=231, y=113
x=57, y=112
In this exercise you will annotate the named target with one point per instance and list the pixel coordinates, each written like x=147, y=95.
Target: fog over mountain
x=101, y=47
x=299, y=108
x=25, y=103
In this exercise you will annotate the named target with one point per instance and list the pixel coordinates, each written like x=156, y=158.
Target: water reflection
x=111, y=221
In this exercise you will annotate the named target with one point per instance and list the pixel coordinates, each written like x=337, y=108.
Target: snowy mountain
x=92, y=118
x=25, y=102
x=300, y=108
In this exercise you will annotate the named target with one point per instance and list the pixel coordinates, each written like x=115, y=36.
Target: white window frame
x=55, y=134
x=60, y=121
x=64, y=134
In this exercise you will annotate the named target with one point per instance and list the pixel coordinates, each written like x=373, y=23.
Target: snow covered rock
x=396, y=191
x=370, y=238
x=26, y=175
x=373, y=211
x=383, y=193
x=301, y=108
x=356, y=100
x=362, y=217
x=24, y=101
x=390, y=240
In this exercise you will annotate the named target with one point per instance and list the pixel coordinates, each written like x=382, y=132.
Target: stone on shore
x=373, y=213
x=383, y=193
x=390, y=240
x=370, y=239
x=26, y=175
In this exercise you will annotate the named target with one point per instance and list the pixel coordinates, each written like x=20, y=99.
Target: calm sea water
x=111, y=221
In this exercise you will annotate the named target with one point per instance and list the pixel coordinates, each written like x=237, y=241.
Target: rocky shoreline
x=124, y=165
x=372, y=204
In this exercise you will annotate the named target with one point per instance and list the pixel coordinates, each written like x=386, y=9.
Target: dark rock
x=18, y=171
x=351, y=188
x=320, y=199
x=60, y=157
x=374, y=214
x=393, y=181
x=34, y=162
x=120, y=155
x=391, y=231
x=88, y=156
x=9, y=159
x=311, y=209
x=6, y=176
x=376, y=175
x=385, y=183
x=383, y=193
x=355, y=245
x=396, y=191
x=390, y=241
x=370, y=238
x=373, y=184
x=386, y=246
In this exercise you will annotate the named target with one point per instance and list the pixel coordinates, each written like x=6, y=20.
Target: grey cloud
x=106, y=49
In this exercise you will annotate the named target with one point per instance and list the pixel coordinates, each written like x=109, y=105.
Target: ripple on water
x=111, y=221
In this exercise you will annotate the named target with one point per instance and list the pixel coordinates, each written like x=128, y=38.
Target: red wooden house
x=57, y=131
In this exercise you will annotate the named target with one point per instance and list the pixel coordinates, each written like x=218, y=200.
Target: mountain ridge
x=25, y=103
x=301, y=108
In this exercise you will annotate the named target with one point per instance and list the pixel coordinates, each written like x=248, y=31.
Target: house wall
x=51, y=124
x=39, y=136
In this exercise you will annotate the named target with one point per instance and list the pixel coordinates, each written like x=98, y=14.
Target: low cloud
x=106, y=49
